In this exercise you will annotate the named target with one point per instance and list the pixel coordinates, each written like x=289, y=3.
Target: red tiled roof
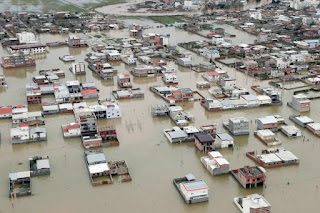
x=212, y=73
x=89, y=91
x=5, y=110
x=24, y=125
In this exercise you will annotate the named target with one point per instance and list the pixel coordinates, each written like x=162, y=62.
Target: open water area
x=153, y=162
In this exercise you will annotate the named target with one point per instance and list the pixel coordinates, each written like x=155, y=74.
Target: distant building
x=217, y=39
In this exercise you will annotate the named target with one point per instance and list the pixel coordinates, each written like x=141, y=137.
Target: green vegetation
x=97, y=36
x=165, y=19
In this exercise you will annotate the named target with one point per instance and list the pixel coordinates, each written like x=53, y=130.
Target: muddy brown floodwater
x=122, y=9
x=152, y=160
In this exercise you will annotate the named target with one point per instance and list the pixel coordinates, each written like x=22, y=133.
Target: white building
x=300, y=102
x=215, y=163
x=129, y=60
x=170, y=78
x=224, y=140
x=291, y=131
x=264, y=99
x=20, y=133
x=71, y=130
x=251, y=100
x=282, y=63
x=217, y=39
x=212, y=104
x=196, y=188
x=78, y=68
x=26, y=38
x=211, y=76
x=28, y=49
x=185, y=62
x=252, y=203
x=255, y=14
x=113, y=110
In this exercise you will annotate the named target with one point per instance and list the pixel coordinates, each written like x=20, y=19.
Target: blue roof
x=312, y=41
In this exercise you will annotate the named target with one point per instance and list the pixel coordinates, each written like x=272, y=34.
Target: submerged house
x=181, y=135
x=252, y=204
x=179, y=116
x=170, y=78
x=87, y=120
x=300, y=103
x=215, y=163
x=78, y=68
x=108, y=135
x=71, y=130
x=104, y=70
x=274, y=157
x=124, y=80
x=24, y=134
x=15, y=61
x=224, y=140
x=204, y=142
x=74, y=89
x=33, y=94
x=19, y=184
x=249, y=176
x=291, y=131
x=39, y=165
x=31, y=118
x=268, y=122
x=191, y=189
x=98, y=168
x=267, y=137
x=74, y=41
x=89, y=90
x=238, y=126
x=212, y=105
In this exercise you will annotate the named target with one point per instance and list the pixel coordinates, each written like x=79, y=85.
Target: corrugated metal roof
x=195, y=185
x=96, y=157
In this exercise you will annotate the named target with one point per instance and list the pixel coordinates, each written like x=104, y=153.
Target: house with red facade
x=268, y=122
x=15, y=61
x=249, y=176
x=33, y=94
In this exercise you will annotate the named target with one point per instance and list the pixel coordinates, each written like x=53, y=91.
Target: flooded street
x=153, y=162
